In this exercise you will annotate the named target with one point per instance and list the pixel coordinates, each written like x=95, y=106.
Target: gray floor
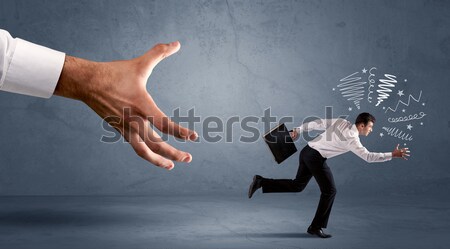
x=218, y=221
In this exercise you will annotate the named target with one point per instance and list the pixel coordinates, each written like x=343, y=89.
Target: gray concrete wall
x=238, y=58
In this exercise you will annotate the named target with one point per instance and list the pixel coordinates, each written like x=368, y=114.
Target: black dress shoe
x=256, y=184
x=318, y=232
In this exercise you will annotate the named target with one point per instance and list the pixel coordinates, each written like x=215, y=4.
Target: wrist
x=76, y=77
x=396, y=154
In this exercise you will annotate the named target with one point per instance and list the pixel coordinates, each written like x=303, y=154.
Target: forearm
x=356, y=147
x=376, y=157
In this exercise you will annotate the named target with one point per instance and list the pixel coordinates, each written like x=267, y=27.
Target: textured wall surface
x=238, y=58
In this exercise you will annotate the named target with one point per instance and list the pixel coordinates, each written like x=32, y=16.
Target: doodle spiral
x=386, y=84
x=371, y=84
x=410, y=117
x=352, y=88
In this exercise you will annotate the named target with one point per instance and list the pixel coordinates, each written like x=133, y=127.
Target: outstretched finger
x=405, y=155
x=397, y=146
x=160, y=120
x=158, y=146
x=142, y=150
x=167, y=126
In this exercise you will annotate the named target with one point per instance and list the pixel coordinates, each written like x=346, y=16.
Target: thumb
x=397, y=146
x=158, y=53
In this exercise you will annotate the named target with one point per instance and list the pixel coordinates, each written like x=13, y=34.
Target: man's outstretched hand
x=403, y=153
x=117, y=92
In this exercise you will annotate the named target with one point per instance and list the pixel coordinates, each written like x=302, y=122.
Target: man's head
x=364, y=123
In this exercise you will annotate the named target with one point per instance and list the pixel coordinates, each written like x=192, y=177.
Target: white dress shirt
x=340, y=136
x=28, y=68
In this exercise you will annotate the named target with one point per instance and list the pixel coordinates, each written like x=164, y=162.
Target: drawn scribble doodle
x=385, y=85
x=395, y=132
x=371, y=84
x=405, y=104
x=419, y=115
x=387, y=93
x=352, y=88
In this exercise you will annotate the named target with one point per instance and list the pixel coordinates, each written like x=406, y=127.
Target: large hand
x=403, y=153
x=117, y=92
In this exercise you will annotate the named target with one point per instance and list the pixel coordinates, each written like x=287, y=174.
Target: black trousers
x=311, y=164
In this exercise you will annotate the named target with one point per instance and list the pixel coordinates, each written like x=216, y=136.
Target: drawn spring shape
x=371, y=81
x=394, y=132
x=352, y=88
x=383, y=93
x=410, y=117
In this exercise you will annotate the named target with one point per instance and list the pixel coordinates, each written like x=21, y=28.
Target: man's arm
x=371, y=157
x=316, y=125
x=109, y=88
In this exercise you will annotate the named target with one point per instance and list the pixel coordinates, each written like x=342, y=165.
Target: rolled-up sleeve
x=28, y=68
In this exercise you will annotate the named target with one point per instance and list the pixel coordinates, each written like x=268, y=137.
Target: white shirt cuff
x=34, y=70
x=388, y=156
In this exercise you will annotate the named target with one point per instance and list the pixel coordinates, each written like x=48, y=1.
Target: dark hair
x=365, y=118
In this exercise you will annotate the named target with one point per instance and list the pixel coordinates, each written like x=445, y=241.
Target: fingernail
x=169, y=167
x=193, y=136
x=187, y=159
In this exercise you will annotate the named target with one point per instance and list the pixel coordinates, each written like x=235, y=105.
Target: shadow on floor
x=280, y=235
x=50, y=217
